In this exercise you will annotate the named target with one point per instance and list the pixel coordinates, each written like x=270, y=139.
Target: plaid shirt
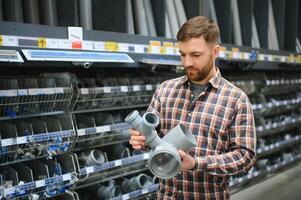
x=222, y=119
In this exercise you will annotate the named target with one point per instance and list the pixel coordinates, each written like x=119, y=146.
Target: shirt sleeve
x=242, y=152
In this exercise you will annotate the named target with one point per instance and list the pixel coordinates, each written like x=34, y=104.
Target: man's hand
x=188, y=162
x=137, y=140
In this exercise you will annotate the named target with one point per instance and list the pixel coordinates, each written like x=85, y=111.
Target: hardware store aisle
x=284, y=185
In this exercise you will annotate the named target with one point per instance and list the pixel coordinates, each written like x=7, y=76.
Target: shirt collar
x=214, y=80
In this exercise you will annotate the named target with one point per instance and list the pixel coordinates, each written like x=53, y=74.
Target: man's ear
x=215, y=51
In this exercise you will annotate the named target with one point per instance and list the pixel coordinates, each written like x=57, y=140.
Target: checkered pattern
x=222, y=119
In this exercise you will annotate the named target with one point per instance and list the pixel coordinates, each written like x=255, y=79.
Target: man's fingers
x=137, y=147
x=182, y=154
x=134, y=132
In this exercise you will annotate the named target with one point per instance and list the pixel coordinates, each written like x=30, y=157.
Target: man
x=214, y=110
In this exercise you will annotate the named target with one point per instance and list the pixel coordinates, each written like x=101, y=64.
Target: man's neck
x=206, y=80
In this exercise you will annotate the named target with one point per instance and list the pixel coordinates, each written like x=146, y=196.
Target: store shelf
x=138, y=193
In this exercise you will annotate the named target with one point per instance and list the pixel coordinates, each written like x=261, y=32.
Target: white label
x=146, y=156
x=90, y=169
x=222, y=54
x=8, y=191
x=88, y=45
x=139, y=48
x=118, y=163
x=59, y=90
x=75, y=33
x=8, y=93
x=124, y=88
x=48, y=90
x=149, y=87
x=123, y=47
x=40, y=183
x=84, y=91
x=9, y=40
x=100, y=46
x=283, y=58
x=236, y=55
x=240, y=180
x=266, y=148
x=155, y=49
x=81, y=132
x=144, y=191
x=272, y=146
x=107, y=89
x=22, y=92
x=125, y=196
x=21, y=140
x=7, y=142
x=33, y=91
x=51, y=43
x=169, y=50
x=259, y=150
x=136, y=88
x=67, y=177
x=64, y=44
x=102, y=129
x=256, y=173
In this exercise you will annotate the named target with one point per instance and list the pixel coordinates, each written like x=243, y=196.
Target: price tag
x=8, y=93
x=67, y=177
x=9, y=40
x=102, y=129
x=9, y=191
x=59, y=90
x=118, y=163
x=100, y=46
x=42, y=42
x=123, y=47
x=136, y=88
x=81, y=132
x=88, y=45
x=6, y=142
x=125, y=196
x=52, y=43
x=22, y=92
x=64, y=44
x=107, y=89
x=48, y=90
x=111, y=46
x=139, y=48
x=124, y=88
x=144, y=191
x=146, y=156
x=90, y=169
x=21, y=140
x=84, y=91
x=1, y=40
x=40, y=183
x=154, y=47
x=235, y=53
x=149, y=87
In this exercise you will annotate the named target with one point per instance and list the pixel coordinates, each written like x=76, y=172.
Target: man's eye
x=196, y=55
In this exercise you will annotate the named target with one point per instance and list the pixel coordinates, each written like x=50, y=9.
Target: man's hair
x=197, y=27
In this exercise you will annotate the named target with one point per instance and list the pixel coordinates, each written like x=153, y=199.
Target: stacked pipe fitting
x=164, y=161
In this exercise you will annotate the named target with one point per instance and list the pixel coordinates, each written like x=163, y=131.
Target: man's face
x=198, y=57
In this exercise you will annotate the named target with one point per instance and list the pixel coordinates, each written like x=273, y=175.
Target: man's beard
x=196, y=74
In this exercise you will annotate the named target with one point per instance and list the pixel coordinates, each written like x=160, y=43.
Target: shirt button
x=189, y=114
x=192, y=95
x=180, y=191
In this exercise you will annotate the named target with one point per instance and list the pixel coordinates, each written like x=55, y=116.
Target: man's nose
x=187, y=61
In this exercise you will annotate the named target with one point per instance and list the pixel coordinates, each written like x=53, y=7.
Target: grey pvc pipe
x=31, y=11
x=130, y=18
x=150, y=18
x=255, y=38
x=167, y=26
x=85, y=13
x=171, y=12
x=140, y=18
x=146, y=126
x=1, y=11
x=141, y=181
x=181, y=12
x=13, y=10
x=108, y=192
x=272, y=32
x=236, y=23
x=49, y=10
x=94, y=157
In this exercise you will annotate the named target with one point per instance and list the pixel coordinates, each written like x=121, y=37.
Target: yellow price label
x=154, y=43
x=111, y=46
x=1, y=40
x=168, y=44
x=235, y=49
x=42, y=42
x=223, y=48
x=291, y=58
